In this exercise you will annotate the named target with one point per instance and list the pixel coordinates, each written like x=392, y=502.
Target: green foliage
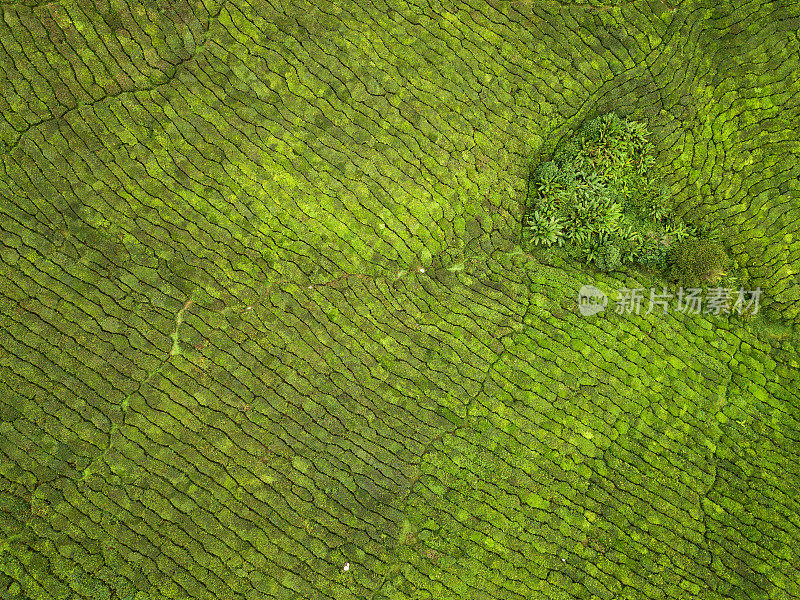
x=609, y=257
x=653, y=254
x=566, y=151
x=600, y=198
x=699, y=261
x=544, y=230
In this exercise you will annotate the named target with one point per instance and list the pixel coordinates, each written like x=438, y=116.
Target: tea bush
x=699, y=262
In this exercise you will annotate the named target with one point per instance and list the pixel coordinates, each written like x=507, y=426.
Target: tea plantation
x=274, y=323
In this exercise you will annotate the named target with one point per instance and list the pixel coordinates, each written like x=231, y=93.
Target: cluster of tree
x=601, y=199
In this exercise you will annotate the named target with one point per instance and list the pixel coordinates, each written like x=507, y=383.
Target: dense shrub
x=699, y=261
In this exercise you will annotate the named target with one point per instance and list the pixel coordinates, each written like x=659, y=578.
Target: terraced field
x=267, y=329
